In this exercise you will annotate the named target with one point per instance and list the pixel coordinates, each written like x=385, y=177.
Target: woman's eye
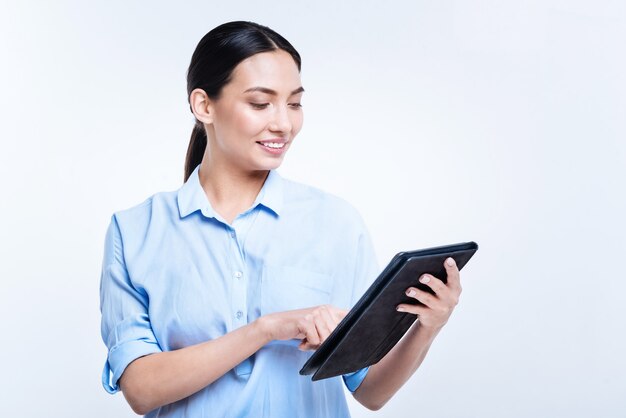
x=295, y=105
x=259, y=105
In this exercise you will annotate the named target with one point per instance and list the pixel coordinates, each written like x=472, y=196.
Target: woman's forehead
x=275, y=70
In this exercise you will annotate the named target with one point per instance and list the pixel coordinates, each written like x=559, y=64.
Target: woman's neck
x=229, y=189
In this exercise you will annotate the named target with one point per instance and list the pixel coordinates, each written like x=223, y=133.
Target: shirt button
x=232, y=234
x=238, y=274
x=239, y=314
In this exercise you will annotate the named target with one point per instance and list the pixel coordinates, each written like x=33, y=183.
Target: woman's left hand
x=438, y=307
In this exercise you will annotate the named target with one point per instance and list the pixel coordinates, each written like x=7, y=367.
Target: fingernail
x=399, y=309
x=410, y=292
x=425, y=279
x=450, y=261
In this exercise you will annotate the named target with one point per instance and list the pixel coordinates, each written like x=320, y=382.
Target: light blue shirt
x=175, y=273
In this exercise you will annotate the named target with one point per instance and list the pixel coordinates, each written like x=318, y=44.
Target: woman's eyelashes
x=259, y=105
x=265, y=105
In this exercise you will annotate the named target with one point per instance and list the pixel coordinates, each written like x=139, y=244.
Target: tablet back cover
x=374, y=326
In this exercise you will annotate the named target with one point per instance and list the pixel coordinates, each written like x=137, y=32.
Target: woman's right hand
x=311, y=325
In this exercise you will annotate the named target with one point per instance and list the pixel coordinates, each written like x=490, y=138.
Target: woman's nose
x=280, y=120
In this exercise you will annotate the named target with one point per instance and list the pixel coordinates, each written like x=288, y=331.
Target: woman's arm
x=162, y=378
x=387, y=376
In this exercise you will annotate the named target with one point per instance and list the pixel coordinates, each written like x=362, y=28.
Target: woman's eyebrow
x=273, y=92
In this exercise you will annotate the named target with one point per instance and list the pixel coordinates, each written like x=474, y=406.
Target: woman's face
x=258, y=113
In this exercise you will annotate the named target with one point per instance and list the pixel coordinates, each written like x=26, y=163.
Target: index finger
x=339, y=314
x=452, y=271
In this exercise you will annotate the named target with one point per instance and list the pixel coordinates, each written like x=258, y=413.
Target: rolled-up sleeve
x=125, y=325
x=366, y=271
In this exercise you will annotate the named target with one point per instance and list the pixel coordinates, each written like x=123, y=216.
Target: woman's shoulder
x=327, y=204
x=150, y=209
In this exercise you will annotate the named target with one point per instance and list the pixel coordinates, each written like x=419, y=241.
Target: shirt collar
x=191, y=196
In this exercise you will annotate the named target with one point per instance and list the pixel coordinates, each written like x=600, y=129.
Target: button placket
x=239, y=287
x=239, y=300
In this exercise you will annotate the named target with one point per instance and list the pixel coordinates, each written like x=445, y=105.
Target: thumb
x=303, y=346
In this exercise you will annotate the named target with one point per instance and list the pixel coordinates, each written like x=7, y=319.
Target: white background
x=501, y=122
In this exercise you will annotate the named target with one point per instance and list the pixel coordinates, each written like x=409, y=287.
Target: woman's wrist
x=424, y=332
x=262, y=330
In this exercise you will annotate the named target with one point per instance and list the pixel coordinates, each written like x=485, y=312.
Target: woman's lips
x=274, y=151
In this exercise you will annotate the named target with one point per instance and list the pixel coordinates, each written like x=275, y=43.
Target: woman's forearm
x=162, y=378
x=388, y=375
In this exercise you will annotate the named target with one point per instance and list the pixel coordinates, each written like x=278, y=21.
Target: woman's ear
x=201, y=106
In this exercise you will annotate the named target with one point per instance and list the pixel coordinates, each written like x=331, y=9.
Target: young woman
x=214, y=295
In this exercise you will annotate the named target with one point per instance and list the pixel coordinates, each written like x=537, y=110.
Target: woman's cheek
x=252, y=122
x=296, y=124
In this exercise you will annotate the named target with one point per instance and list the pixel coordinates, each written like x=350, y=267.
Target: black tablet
x=373, y=326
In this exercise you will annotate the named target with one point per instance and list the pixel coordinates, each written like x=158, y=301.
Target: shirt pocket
x=284, y=288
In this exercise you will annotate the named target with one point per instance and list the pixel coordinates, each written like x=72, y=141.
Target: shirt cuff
x=120, y=357
x=354, y=380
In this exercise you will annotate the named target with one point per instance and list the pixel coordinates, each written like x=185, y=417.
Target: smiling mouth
x=273, y=145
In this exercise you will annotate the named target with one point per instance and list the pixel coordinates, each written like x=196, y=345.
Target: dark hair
x=213, y=62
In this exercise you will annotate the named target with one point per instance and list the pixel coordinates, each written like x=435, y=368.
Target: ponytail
x=195, y=151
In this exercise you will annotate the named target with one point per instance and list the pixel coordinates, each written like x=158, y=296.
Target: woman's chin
x=270, y=163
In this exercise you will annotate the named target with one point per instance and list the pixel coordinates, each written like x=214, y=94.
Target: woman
x=214, y=295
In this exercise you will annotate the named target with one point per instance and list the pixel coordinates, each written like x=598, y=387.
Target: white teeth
x=274, y=144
